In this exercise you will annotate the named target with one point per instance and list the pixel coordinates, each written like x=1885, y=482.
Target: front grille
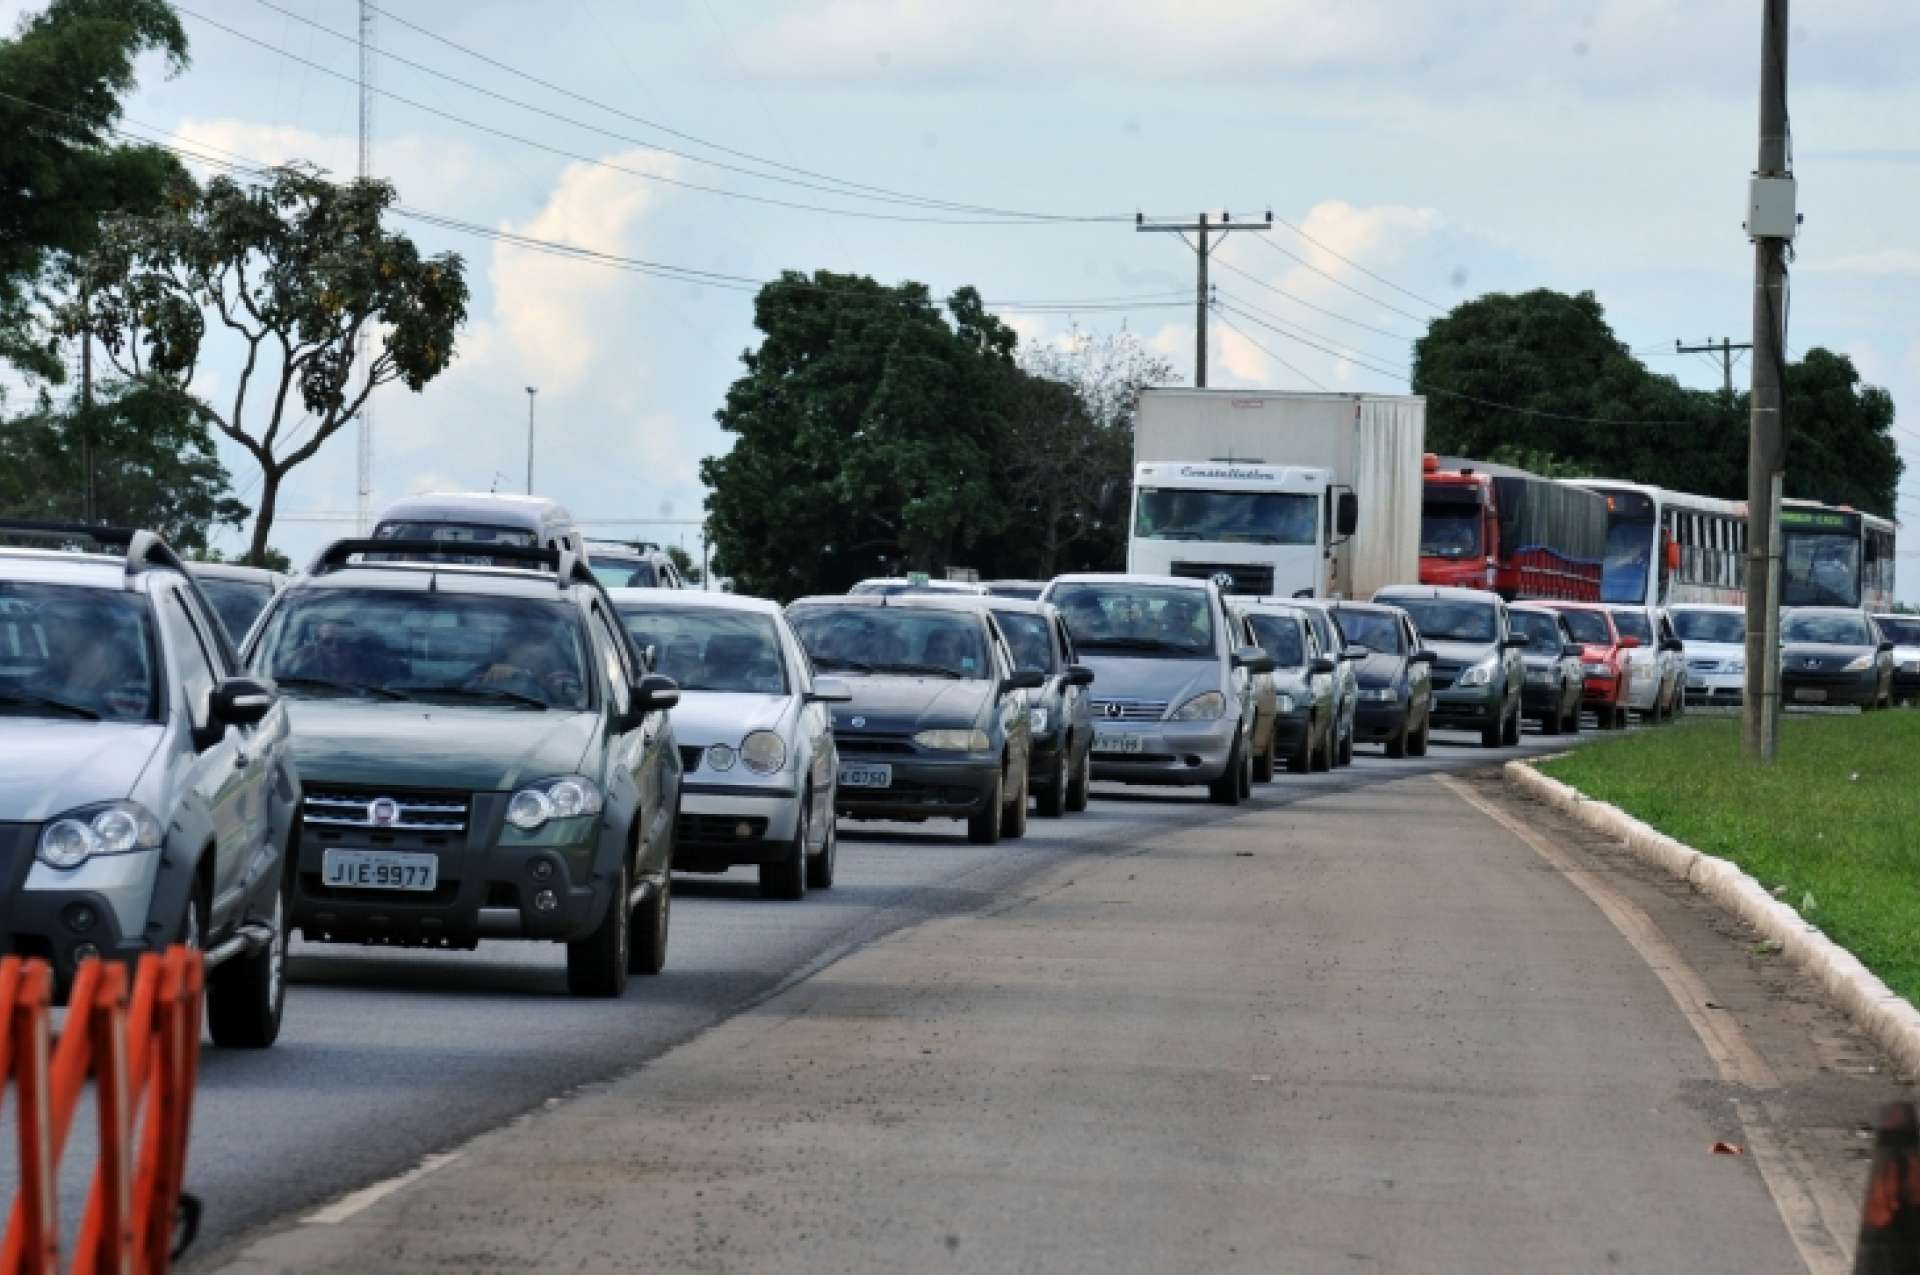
x=690, y=755
x=412, y=811
x=1443, y=676
x=1253, y=578
x=718, y=830
x=873, y=745
x=1128, y=710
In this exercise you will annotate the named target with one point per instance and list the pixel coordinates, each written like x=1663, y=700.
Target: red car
x=1602, y=659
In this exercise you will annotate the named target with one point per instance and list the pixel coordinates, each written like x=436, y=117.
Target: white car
x=1657, y=688
x=1716, y=641
x=1904, y=632
x=759, y=768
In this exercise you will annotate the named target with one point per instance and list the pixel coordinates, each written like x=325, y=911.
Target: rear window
x=1634, y=624
x=1030, y=637
x=624, y=573
x=1372, y=629
x=1280, y=638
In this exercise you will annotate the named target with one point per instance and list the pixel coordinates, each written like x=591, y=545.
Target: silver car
x=1658, y=688
x=759, y=769
x=1173, y=698
x=147, y=789
x=1347, y=658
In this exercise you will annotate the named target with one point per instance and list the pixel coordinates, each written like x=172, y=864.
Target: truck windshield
x=1822, y=569
x=1245, y=517
x=1148, y=620
x=1449, y=529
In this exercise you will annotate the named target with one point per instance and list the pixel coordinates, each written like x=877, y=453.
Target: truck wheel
x=647, y=930
x=1051, y=801
x=1080, y=788
x=597, y=964
x=247, y=996
x=983, y=829
x=1225, y=791
x=787, y=879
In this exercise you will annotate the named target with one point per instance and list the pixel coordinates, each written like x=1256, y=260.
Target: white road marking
x=368, y=1196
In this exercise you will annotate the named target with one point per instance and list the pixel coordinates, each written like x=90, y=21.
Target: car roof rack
x=568, y=567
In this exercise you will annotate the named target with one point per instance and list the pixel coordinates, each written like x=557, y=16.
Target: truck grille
x=1128, y=710
x=381, y=810
x=1253, y=578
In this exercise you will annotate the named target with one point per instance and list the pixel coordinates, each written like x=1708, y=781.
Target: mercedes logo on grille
x=383, y=812
x=1114, y=708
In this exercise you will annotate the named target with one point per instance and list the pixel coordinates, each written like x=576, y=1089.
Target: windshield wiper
x=929, y=670
x=845, y=666
x=480, y=692
x=343, y=688
x=27, y=700
x=1136, y=644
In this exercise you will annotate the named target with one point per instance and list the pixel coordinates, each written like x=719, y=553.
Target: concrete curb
x=1847, y=984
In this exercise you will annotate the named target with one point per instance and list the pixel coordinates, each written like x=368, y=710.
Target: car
x=1477, y=672
x=1556, y=672
x=237, y=593
x=1028, y=590
x=1904, y=632
x=1304, y=726
x=754, y=727
x=480, y=519
x=1173, y=698
x=1395, y=693
x=1604, y=652
x=939, y=722
x=483, y=753
x=1716, y=642
x=1335, y=645
x=1266, y=702
x=633, y=564
x=892, y=586
x=1657, y=689
x=1062, y=712
x=1834, y=655
x=148, y=792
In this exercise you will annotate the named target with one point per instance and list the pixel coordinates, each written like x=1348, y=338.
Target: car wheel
x=1246, y=771
x=1323, y=760
x=1052, y=800
x=1225, y=791
x=1013, y=823
x=1265, y=761
x=1490, y=736
x=983, y=828
x=647, y=930
x=1300, y=761
x=820, y=866
x=247, y=996
x=1571, y=722
x=787, y=879
x=1346, y=745
x=1417, y=744
x=1400, y=742
x=1550, y=721
x=597, y=964
x=1080, y=789
x=1510, y=733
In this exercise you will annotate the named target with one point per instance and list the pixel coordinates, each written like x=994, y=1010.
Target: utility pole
x=1771, y=223
x=1725, y=350
x=89, y=483
x=1203, y=229
x=531, y=391
x=363, y=344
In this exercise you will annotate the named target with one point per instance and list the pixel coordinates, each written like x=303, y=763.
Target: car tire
x=1510, y=732
x=1266, y=759
x=1417, y=744
x=787, y=879
x=1550, y=722
x=1400, y=742
x=1051, y=801
x=1013, y=820
x=1346, y=747
x=597, y=965
x=649, y=928
x=820, y=866
x=1571, y=722
x=1490, y=736
x=1080, y=787
x=1225, y=791
x=1246, y=772
x=247, y=996
x=983, y=828
x=1300, y=761
x=1323, y=760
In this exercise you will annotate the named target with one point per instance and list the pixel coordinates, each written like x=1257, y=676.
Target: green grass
x=1836, y=820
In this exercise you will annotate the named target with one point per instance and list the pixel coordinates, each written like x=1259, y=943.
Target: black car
x=1061, y=717
x=1395, y=705
x=1555, y=676
x=939, y=726
x=1834, y=655
x=1305, y=728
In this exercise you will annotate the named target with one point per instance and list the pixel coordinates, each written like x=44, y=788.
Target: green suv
x=483, y=756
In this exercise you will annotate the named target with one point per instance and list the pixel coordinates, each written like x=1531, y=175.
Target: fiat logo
x=856, y=722
x=383, y=812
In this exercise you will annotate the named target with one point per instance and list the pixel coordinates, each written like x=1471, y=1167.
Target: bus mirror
x=1673, y=555
x=1347, y=515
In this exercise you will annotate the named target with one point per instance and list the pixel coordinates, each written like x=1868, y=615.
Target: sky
x=1429, y=152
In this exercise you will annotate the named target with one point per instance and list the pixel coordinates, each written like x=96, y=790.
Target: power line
x=1244, y=304
x=1342, y=283
x=1362, y=269
x=1252, y=278
x=1236, y=328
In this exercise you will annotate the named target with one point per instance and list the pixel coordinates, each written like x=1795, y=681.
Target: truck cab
x=1262, y=530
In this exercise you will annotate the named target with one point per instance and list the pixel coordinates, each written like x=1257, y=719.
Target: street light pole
x=531, y=391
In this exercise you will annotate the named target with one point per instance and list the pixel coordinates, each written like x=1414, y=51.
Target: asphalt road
x=388, y=1056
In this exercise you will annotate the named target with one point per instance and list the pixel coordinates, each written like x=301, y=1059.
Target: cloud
x=1886, y=264
x=433, y=172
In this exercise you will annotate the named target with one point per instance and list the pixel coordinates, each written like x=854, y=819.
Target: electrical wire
x=1405, y=292
x=1302, y=301
x=1338, y=282
x=1244, y=336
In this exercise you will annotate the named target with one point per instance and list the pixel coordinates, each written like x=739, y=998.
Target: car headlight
x=567, y=797
x=764, y=752
x=1910, y=666
x=1204, y=707
x=1480, y=674
x=1037, y=720
x=1597, y=670
x=954, y=741
x=721, y=757
x=1284, y=704
x=1859, y=664
x=1379, y=694
x=118, y=827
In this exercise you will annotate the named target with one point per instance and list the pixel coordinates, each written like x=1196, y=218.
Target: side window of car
x=1063, y=642
x=191, y=656
x=607, y=648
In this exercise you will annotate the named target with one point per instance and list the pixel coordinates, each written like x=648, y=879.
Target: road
x=387, y=1055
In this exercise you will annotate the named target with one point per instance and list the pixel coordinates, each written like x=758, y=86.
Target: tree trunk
x=263, y=517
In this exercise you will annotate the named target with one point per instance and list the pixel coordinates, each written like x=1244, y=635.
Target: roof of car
x=1269, y=606
x=1026, y=606
x=1604, y=607
x=690, y=598
x=967, y=603
x=93, y=570
x=438, y=577
x=1438, y=592
x=236, y=571
x=1822, y=611
x=473, y=502
x=1383, y=608
x=1532, y=607
x=1128, y=577
x=970, y=588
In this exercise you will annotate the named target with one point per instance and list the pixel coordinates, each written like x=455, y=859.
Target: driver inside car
x=530, y=666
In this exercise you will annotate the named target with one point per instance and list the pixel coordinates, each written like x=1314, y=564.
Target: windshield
x=1138, y=619
x=1902, y=629
x=1248, y=517
x=395, y=644
x=1541, y=630
x=623, y=573
x=904, y=640
x=1634, y=624
x=1031, y=638
x=1711, y=626
x=1820, y=569
x=1449, y=529
x=74, y=652
x=1588, y=626
x=708, y=649
x=1629, y=555
x=237, y=602
x=1028, y=590
x=1280, y=637
x=1374, y=630
x=1445, y=620
x=1834, y=630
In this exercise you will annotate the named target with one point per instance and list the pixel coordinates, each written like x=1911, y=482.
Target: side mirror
x=1347, y=514
x=1358, y=651
x=1673, y=644
x=1886, y=647
x=239, y=701
x=1422, y=657
x=1573, y=650
x=1025, y=679
x=1079, y=675
x=1254, y=659
x=655, y=693
x=1515, y=642
x=829, y=690
x=1628, y=642
x=1321, y=665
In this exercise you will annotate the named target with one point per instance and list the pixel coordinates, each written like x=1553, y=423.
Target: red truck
x=1494, y=527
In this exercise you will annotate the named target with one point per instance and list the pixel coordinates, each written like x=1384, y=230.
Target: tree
x=683, y=563
x=157, y=466
x=64, y=73
x=292, y=271
x=1840, y=444
x=865, y=426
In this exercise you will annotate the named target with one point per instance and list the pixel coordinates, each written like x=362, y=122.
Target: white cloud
x=435, y=173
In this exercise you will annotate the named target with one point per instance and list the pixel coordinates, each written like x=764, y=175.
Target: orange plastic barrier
x=146, y=1046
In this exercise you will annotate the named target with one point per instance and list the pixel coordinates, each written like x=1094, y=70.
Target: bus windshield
x=1821, y=568
x=1629, y=556
x=1246, y=517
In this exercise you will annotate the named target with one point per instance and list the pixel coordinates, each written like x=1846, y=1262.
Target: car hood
x=56, y=765
x=1131, y=677
x=1380, y=668
x=1717, y=650
x=1540, y=660
x=908, y=704
x=434, y=745
x=1463, y=654
x=717, y=717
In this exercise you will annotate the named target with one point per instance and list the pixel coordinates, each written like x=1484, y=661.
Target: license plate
x=863, y=775
x=379, y=870
x=1810, y=695
x=1119, y=742
x=1696, y=685
x=1540, y=679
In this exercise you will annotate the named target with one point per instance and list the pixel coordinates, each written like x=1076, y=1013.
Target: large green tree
x=62, y=76
x=865, y=426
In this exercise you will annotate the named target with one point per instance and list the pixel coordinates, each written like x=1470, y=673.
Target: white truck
x=1288, y=494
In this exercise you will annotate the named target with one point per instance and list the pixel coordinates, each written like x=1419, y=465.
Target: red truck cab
x=1518, y=534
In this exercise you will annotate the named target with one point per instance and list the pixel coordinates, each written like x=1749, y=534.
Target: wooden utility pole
x=1725, y=350
x=1771, y=223
x=89, y=483
x=1203, y=246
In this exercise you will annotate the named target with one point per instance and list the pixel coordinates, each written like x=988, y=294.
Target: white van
x=480, y=518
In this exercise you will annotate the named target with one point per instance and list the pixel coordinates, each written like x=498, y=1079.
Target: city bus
x=1667, y=547
x=1834, y=556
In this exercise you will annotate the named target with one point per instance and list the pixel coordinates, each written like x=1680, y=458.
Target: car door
x=1013, y=708
x=814, y=730
x=1419, y=673
x=632, y=775
x=1076, y=702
